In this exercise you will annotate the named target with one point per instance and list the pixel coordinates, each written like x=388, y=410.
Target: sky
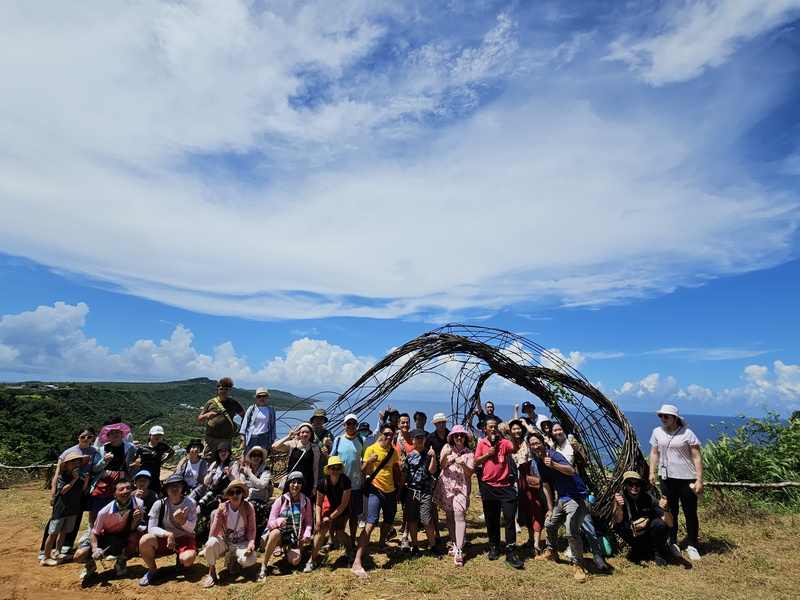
x=283, y=192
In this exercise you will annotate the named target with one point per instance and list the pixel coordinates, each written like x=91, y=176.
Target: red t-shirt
x=495, y=469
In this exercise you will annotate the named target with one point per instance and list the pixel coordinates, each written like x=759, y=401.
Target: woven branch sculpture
x=471, y=356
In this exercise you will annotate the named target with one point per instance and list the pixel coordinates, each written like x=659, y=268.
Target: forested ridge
x=38, y=420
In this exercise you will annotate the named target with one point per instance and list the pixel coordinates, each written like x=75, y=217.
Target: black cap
x=419, y=433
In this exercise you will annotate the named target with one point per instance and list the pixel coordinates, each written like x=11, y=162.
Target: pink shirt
x=495, y=469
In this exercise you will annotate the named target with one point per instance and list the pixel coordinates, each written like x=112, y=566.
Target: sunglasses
x=351, y=423
x=665, y=416
x=633, y=483
x=86, y=437
x=223, y=388
x=236, y=492
x=459, y=435
x=296, y=482
x=263, y=396
x=256, y=455
x=388, y=434
x=335, y=468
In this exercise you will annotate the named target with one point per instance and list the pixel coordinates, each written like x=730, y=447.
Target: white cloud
x=353, y=160
x=778, y=389
x=48, y=342
x=699, y=34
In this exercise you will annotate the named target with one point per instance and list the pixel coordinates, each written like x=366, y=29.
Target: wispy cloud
x=690, y=37
x=712, y=353
x=375, y=159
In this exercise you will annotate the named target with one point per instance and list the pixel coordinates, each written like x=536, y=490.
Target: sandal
x=278, y=552
x=360, y=573
x=146, y=579
x=209, y=582
x=325, y=549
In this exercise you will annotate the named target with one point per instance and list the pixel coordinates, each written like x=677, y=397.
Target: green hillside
x=38, y=420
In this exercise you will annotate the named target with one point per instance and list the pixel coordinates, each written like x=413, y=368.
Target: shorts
x=418, y=507
x=356, y=502
x=62, y=525
x=182, y=544
x=381, y=501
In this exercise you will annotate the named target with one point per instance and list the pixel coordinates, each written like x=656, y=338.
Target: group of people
x=528, y=471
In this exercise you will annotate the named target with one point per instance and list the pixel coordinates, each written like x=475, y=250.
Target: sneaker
x=41, y=556
x=482, y=517
x=89, y=569
x=458, y=559
x=451, y=550
x=675, y=550
x=519, y=529
x=548, y=554
x=494, y=553
x=415, y=553
x=580, y=574
x=435, y=553
x=659, y=560
x=404, y=545
x=601, y=564
x=692, y=553
x=48, y=562
x=568, y=553
x=361, y=524
x=310, y=566
x=120, y=567
x=262, y=574
x=512, y=560
x=392, y=534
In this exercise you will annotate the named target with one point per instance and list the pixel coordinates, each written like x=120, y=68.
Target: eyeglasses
x=86, y=437
x=256, y=455
x=236, y=492
x=665, y=416
x=351, y=424
x=634, y=483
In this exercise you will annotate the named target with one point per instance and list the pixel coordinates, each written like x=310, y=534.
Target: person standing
x=218, y=414
x=382, y=465
x=152, y=455
x=571, y=507
x=349, y=447
x=498, y=493
x=675, y=456
x=453, y=489
x=258, y=424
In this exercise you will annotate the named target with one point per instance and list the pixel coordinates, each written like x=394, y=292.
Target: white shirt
x=675, y=452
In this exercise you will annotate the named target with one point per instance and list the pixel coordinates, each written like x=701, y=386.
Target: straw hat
x=333, y=460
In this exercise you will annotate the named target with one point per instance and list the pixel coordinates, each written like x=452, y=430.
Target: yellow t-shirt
x=384, y=480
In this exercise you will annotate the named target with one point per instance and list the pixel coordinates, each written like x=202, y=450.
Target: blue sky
x=283, y=192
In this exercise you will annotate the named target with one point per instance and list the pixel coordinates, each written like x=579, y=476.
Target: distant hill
x=38, y=420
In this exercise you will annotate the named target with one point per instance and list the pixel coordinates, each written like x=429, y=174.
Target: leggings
x=457, y=526
x=678, y=491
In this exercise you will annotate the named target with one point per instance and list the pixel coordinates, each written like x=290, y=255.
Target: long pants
x=573, y=512
x=497, y=499
x=642, y=546
x=216, y=547
x=678, y=491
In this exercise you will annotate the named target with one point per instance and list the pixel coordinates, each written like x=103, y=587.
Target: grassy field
x=747, y=555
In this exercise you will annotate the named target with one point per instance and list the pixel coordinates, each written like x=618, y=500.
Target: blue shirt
x=351, y=452
x=568, y=487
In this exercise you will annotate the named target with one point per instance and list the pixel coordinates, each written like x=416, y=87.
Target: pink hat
x=458, y=429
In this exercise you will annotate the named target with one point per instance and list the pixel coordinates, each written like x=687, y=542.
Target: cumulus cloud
x=48, y=342
x=777, y=388
x=699, y=34
x=401, y=166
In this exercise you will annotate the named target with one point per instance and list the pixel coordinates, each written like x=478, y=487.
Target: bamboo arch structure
x=471, y=357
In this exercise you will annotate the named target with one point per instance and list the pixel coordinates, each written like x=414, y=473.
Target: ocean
x=706, y=427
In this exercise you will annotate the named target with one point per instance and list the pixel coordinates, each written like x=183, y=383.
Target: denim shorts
x=381, y=501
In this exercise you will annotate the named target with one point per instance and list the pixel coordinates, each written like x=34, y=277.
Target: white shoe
x=692, y=553
x=202, y=552
x=310, y=566
x=601, y=564
x=568, y=553
x=675, y=550
x=482, y=517
x=89, y=569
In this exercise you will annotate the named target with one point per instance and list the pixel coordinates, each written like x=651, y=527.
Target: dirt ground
x=742, y=559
